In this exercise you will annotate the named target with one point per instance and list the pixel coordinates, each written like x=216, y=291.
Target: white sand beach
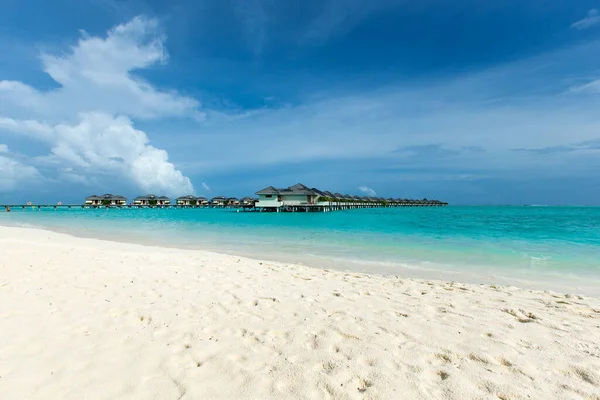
x=91, y=319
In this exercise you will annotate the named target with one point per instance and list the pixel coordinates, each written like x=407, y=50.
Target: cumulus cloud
x=86, y=122
x=96, y=74
x=102, y=144
x=592, y=18
x=12, y=172
x=3, y=148
x=368, y=191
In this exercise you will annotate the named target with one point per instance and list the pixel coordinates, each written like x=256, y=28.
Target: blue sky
x=467, y=101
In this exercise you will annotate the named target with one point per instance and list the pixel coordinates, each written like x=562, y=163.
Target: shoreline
x=560, y=283
x=86, y=318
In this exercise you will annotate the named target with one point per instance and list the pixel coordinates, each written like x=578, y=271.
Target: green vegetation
x=152, y=202
x=193, y=202
x=106, y=202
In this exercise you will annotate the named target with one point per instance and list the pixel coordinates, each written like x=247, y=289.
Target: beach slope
x=91, y=319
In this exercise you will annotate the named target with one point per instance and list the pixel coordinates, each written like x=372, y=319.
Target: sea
x=536, y=247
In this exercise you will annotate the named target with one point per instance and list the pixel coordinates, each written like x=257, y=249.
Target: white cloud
x=86, y=121
x=592, y=18
x=27, y=127
x=368, y=191
x=588, y=88
x=3, y=148
x=13, y=173
x=489, y=111
x=205, y=186
x=102, y=144
x=96, y=74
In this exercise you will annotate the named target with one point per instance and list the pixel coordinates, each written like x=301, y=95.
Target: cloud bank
x=87, y=121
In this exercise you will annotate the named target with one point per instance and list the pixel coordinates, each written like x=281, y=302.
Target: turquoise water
x=533, y=244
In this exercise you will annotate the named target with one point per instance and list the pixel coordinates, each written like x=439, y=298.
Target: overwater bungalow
x=202, y=201
x=105, y=200
x=330, y=196
x=188, y=200
x=218, y=201
x=319, y=193
x=297, y=195
x=294, y=198
x=151, y=200
x=248, y=201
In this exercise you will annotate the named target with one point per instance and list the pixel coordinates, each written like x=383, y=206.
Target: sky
x=467, y=101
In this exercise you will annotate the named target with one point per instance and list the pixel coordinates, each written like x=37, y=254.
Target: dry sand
x=90, y=319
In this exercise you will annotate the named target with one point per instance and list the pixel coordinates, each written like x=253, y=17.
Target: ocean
x=539, y=247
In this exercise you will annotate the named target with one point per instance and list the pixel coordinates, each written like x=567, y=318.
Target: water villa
x=248, y=202
x=301, y=198
x=105, y=200
x=186, y=200
x=218, y=201
x=292, y=199
x=151, y=200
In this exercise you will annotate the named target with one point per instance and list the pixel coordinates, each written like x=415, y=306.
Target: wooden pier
x=296, y=198
x=301, y=198
x=338, y=206
x=318, y=207
x=122, y=206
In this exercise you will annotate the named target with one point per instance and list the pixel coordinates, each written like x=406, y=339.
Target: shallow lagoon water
x=553, y=247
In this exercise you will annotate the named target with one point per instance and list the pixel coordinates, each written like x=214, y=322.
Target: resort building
x=218, y=201
x=186, y=200
x=191, y=201
x=297, y=195
x=202, y=201
x=248, y=201
x=294, y=198
x=151, y=200
x=302, y=198
x=106, y=200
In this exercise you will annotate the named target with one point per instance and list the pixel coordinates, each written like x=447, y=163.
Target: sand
x=91, y=319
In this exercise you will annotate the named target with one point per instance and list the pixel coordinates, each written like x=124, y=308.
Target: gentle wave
x=531, y=243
